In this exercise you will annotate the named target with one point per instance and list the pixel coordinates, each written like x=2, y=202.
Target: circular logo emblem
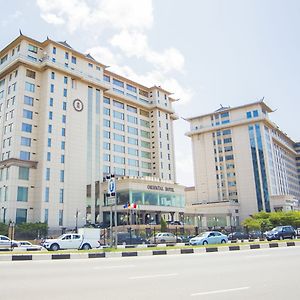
x=78, y=105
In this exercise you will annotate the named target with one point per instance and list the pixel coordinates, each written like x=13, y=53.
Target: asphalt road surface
x=252, y=274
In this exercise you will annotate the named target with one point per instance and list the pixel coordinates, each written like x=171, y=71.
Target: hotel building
x=65, y=123
x=243, y=164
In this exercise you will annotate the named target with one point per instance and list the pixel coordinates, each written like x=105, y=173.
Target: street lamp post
x=76, y=220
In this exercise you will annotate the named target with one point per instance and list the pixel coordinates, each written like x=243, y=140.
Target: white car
x=164, y=237
x=27, y=246
x=209, y=237
x=6, y=243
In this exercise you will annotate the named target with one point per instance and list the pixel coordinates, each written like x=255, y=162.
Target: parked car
x=238, y=236
x=6, y=243
x=281, y=233
x=209, y=237
x=255, y=234
x=125, y=238
x=29, y=246
x=164, y=237
x=176, y=223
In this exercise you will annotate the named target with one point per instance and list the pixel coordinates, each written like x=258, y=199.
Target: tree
x=163, y=225
x=251, y=223
x=3, y=229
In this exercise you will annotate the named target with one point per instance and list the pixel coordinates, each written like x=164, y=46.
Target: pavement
x=249, y=274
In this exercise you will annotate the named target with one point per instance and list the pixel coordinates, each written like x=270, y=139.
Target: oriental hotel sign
x=160, y=188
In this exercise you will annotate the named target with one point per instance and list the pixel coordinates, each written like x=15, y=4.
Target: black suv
x=238, y=236
x=281, y=233
x=125, y=238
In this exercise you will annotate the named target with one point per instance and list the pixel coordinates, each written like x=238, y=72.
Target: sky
x=206, y=52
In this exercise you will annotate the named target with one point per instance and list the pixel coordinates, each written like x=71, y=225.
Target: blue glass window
x=63, y=145
x=50, y=128
x=51, y=102
x=25, y=141
x=47, y=174
x=27, y=114
x=49, y=142
x=52, y=75
x=25, y=155
x=21, y=215
x=118, y=82
x=30, y=87
x=64, y=105
x=47, y=194
x=74, y=60
x=48, y=156
x=22, y=194
x=106, y=78
x=249, y=115
x=64, y=118
x=51, y=88
x=255, y=113
x=54, y=50
x=61, y=196
x=50, y=115
x=65, y=80
x=62, y=176
x=26, y=127
x=28, y=100
x=65, y=92
x=62, y=159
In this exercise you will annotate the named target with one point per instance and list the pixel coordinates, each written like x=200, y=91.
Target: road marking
x=221, y=291
x=153, y=276
x=114, y=267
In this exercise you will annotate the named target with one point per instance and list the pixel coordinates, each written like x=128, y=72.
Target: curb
x=64, y=256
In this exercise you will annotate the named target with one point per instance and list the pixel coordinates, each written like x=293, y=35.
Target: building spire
x=20, y=31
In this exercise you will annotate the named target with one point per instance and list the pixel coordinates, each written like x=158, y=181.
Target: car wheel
x=162, y=241
x=281, y=238
x=223, y=242
x=54, y=247
x=204, y=243
x=86, y=247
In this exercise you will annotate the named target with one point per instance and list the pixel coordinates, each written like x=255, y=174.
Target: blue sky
x=207, y=52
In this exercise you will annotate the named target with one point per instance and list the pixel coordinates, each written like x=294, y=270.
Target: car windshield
x=203, y=234
x=276, y=229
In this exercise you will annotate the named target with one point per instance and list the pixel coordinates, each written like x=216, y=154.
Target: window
x=106, y=146
x=225, y=115
x=119, y=159
x=62, y=176
x=63, y=131
x=249, y=115
x=146, y=154
x=64, y=105
x=47, y=174
x=144, y=123
x=51, y=88
x=26, y=127
x=120, y=171
x=63, y=145
x=132, y=119
x=63, y=118
x=46, y=215
x=21, y=215
x=25, y=141
x=106, y=78
x=118, y=82
x=54, y=50
x=49, y=142
x=255, y=113
x=52, y=75
x=65, y=80
x=47, y=194
x=23, y=173
x=65, y=93
x=106, y=157
x=145, y=144
x=119, y=137
x=106, y=111
x=73, y=60
x=32, y=48
x=51, y=102
x=226, y=132
x=118, y=115
x=60, y=217
x=131, y=88
x=118, y=104
x=90, y=65
x=48, y=156
x=145, y=134
x=119, y=148
x=106, y=123
x=133, y=151
x=27, y=114
x=146, y=165
x=106, y=134
x=227, y=140
x=133, y=162
x=61, y=196
x=144, y=113
x=29, y=87
x=106, y=100
x=118, y=126
x=132, y=141
x=62, y=158
x=50, y=128
x=131, y=109
x=22, y=194
x=132, y=130
x=30, y=74
x=66, y=55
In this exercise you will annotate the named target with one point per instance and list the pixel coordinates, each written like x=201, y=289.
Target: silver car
x=6, y=243
x=209, y=237
x=164, y=237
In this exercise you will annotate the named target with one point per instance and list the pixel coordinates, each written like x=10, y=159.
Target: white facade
x=65, y=123
x=242, y=158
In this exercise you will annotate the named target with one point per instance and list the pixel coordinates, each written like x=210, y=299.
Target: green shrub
x=3, y=229
x=31, y=230
x=163, y=225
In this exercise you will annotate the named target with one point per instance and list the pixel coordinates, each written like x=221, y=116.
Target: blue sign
x=111, y=186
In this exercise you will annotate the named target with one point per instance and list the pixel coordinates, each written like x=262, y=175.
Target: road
x=249, y=274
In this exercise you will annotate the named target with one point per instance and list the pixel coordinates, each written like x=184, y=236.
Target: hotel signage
x=160, y=188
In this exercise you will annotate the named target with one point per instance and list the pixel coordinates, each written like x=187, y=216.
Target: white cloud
x=104, y=55
x=80, y=14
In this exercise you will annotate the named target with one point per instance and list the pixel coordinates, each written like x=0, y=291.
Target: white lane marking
x=114, y=267
x=221, y=291
x=153, y=276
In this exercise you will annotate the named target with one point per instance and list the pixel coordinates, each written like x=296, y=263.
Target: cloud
x=81, y=14
x=104, y=55
x=6, y=20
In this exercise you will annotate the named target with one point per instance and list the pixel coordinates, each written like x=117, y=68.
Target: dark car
x=281, y=233
x=238, y=236
x=125, y=238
